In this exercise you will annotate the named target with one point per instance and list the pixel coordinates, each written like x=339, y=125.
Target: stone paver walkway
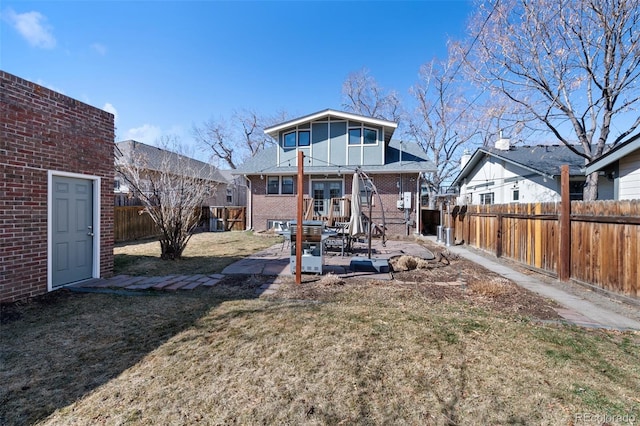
x=167, y=283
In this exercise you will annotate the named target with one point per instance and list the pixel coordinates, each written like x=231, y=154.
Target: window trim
x=484, y=195
x=281, y=185
x=362, y=129
x=296, y=138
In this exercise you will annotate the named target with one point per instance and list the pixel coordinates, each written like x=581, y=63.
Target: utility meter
x=406, y=200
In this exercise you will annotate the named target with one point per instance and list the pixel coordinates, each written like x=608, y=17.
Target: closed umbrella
x=355, y=222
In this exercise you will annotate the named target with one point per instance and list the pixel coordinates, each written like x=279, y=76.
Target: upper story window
x=299, y=138
x=363, y=135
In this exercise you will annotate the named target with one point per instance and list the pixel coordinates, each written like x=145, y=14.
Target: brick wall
x=42, y=130
x=283, y=207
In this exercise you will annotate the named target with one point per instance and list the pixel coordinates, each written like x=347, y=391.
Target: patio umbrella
x=355, y=222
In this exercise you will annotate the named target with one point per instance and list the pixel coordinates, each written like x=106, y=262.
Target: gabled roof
x=614, y=155
x=413, y=160
x=544, y=160
x=388, y=126
x=155, y=157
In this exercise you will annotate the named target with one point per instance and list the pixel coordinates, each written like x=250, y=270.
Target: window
x=370, y=136
x=300, y=138
x=273, y=185
x=354, y=136
x=516, y=194
x=229, y=195
x=290, y=140
x=304, y=138
x=280, y=185
x=486, y=198
x=287, y=184
x=576, y=188
x=363, y=135
x=116, y=184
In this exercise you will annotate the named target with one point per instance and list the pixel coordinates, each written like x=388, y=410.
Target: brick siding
x=42, y=130
x=283, y=207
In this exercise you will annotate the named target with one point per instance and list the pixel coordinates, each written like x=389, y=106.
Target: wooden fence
x=229, y=218
x=130, y=225
x=603, y=239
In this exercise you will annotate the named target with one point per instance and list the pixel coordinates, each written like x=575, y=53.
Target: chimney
x=503, y=144
x=466, y=156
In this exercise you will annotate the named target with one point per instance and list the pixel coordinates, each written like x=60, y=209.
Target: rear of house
x=56, y=185
x=335, y=144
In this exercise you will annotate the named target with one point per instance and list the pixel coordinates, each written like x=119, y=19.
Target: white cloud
x=32, y=26
x=146, y=133
x=100, y=48
x=110, y=108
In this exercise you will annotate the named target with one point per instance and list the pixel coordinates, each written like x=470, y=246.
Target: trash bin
x=448, y=236
x=439, y=233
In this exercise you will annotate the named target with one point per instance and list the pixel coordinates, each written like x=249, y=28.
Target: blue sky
x=163, y=66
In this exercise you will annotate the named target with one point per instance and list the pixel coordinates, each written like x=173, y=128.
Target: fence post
x=499, y=235
x=564, y=258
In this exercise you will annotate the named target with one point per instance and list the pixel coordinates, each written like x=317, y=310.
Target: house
x=235, y=190
x=622, y=166
x=521, y=174
x=222, y=190
x=335, y=144
x=56, y=178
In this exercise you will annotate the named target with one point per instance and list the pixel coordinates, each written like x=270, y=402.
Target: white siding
x=629, y=183
x=494, y=176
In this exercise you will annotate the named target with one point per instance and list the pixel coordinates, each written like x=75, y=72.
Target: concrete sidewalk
x=576, y=309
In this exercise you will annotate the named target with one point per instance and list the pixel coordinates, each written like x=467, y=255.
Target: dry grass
x=206, y=253
x=491, y=287
x=325, y=352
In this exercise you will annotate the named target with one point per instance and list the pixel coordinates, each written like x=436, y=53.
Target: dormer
x=332, y=137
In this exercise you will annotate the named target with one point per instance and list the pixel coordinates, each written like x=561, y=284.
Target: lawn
x=206, y=253
x=420, y=349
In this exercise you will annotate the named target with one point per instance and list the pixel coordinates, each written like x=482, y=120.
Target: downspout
x=249, y=200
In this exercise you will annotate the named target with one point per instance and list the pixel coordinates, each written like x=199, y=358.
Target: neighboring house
x=56, y=178
x=521, y=174
x=334, y=144
x=235, y=190
x=622, y=165
x=158, y=159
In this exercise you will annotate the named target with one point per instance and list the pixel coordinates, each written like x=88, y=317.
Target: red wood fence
x=603, y=239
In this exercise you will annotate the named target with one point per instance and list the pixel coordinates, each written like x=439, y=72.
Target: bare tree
x=442, y=121
x=362, y=95
x=171, y=186
x=242, y=139
x=572, y=66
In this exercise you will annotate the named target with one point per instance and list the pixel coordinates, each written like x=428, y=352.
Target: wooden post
x=499, y=235
x=564, y=258
x=299, y=217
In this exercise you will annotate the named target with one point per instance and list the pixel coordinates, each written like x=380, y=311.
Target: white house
x=622, y=165
x=521, y=174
